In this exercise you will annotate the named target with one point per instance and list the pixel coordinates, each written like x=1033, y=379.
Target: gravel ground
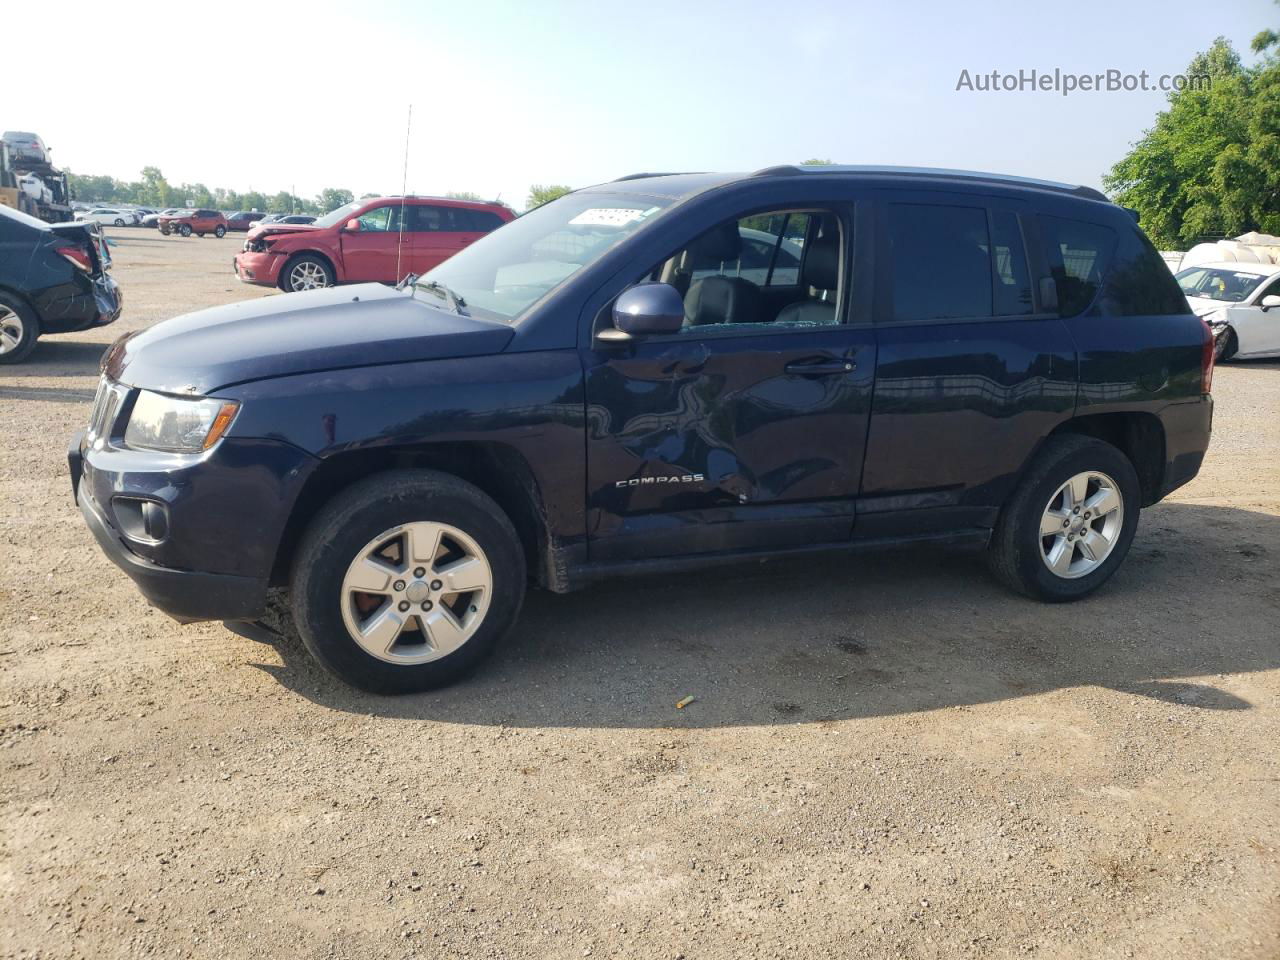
x=888, y=756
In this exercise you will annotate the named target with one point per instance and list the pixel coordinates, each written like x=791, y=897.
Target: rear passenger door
x=972, y=370
x=436, y=235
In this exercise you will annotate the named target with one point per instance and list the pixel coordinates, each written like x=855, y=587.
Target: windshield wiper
x=451, y=299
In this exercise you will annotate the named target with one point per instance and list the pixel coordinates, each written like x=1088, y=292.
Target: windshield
x=342, y=214
x=504, y=273
x=1218, y=284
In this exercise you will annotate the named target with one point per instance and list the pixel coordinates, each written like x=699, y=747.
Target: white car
x=110, y=216
x=1241, y=302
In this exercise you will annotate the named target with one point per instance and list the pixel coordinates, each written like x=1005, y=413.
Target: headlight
x=178, y=424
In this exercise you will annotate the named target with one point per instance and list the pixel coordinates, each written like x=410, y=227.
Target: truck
x=29, y=182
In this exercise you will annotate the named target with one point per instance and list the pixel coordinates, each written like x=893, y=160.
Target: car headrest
x=722, y=300
x=822, y=260
x=716, y=246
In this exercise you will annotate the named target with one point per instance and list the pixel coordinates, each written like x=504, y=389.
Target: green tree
x=1210, y=166
x=539, y=194
x=331, y=199
x=463, y=195
x=815, y=162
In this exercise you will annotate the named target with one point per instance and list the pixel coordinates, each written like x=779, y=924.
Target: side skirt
x=580, y=575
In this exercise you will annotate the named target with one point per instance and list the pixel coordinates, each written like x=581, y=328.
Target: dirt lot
x=889, y=756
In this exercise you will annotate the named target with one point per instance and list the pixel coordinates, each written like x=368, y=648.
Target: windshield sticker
x=610, y=216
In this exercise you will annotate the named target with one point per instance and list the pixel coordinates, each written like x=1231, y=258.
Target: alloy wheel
x=1081, y=525
x=416, y=593
x=11, y=330
x=307, y=275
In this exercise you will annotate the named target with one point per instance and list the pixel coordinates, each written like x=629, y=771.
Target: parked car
x=53, y=279
x=153, y=219
x=110, y=216
x=25, y=147
x=243, y=220
x=1240, y=302
x=362, y=241
x=996, y=361
x=199, y=222
x=288, y=218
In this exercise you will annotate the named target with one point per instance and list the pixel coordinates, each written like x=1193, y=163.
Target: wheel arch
x=1137, y=434
x=497, y=469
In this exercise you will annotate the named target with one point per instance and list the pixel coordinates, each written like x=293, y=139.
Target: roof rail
x=645, y=176
x=791, y=170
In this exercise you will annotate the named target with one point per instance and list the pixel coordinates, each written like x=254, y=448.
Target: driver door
x=746, y=429
x=1257, y=328
x=372, y=252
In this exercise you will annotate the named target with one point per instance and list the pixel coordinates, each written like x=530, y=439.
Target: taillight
x=78, y=256
x=1206, y=359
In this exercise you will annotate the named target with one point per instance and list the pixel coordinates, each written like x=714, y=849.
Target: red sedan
x=381, y=239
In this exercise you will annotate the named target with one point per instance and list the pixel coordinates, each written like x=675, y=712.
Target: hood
x=258, y=229
x=294, y=333
x=1202, y=305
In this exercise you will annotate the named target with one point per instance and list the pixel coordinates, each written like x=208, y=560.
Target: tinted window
x=427, y=219
x=1009, y=263
x=1078, y=254
x=484, y=221
x=940, y=265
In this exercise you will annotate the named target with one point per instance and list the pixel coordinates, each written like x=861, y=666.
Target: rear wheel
x=1068, y=526
x=306, y=272
x=19, y=329
x=406, y=581
x=119, y=222
x=220, y=232
x=185, y=230
x=1225, y=345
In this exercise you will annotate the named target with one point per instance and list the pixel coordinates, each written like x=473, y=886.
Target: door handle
x=823, y=367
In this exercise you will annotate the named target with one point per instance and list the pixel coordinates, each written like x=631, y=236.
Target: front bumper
x=185, y=595
x=254, y=267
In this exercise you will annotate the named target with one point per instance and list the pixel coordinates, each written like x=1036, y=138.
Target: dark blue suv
x=656, y=374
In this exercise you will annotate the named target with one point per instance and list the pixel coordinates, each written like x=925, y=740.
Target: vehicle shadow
x=863, y=636
x=57, y=357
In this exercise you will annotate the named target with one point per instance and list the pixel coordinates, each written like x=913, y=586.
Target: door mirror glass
x=649, y=309
x=353, y=226
x=1270, y=300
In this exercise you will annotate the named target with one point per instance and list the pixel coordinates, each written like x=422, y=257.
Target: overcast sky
x=509, y=94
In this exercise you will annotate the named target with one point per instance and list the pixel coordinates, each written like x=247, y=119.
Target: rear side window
x=941, y=268
x=1079, y=254
x=475, y=221
x=1139, y=282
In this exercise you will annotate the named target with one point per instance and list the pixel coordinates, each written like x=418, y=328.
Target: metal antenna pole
x=404, y=186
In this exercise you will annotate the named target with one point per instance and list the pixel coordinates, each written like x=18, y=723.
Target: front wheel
x=406, y=581
x=1068, y=526
x=306, y=272
x=185, y=230
x=219, y=232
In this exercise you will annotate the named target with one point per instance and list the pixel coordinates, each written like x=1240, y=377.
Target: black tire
x=165, y=230
x=1014, y=554
x=286, y=273
x=1225, y=346
x=358, y=515
x=185, y=230
x=119, y=222
x=30, y=333
x=219, y=232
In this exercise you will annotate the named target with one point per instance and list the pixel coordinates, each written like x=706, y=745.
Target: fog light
x=143, y=520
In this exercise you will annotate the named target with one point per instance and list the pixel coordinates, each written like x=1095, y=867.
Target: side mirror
x=352, y=226
x=1270, y=300
x=647, y=309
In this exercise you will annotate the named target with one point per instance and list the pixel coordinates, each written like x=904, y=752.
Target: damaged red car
x=382, y=239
